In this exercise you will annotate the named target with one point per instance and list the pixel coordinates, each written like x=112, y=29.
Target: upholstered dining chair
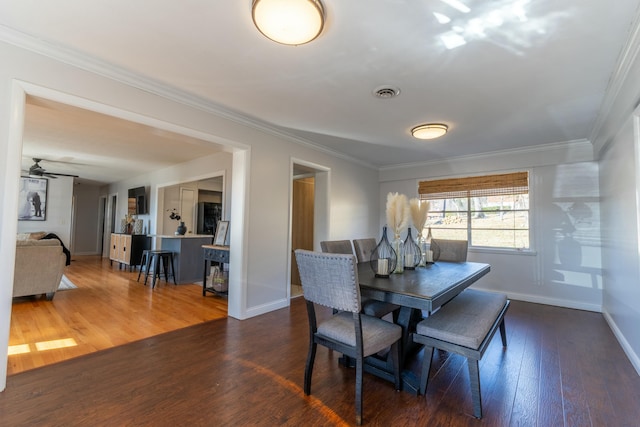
x=331, y=280
x=452, y=250
x=370, y=307
x=364, y=248
x=336, y=246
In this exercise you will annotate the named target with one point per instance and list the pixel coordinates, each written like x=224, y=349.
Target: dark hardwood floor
x=562, y=368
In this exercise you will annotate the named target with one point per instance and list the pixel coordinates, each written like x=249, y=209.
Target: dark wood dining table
x=418, y=292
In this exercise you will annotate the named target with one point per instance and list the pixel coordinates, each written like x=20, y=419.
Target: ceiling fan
x=37, y=170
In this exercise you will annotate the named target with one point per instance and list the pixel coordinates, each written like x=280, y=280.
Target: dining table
x=418, y=292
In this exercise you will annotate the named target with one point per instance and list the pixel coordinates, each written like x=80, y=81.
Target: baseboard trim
x=628, y=350
x=537, y=299
x=265, y=308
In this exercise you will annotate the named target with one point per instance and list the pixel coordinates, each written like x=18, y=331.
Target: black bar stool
x=158, y=261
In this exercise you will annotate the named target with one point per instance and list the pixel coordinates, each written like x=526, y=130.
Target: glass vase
x=383, y=258
x=398, y=247
x=422, y=243
x=412, y=253
x=432, y=250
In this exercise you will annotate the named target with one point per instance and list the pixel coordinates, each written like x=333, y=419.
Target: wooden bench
x=463, y=326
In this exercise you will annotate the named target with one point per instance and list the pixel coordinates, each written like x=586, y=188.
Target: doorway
x=302, y=224
x=108, y=225
x=309, y=213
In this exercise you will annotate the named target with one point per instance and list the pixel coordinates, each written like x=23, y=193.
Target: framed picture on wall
x=32, y=199
x=221, y=233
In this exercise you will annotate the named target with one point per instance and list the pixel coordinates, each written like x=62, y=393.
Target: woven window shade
x=475, y=186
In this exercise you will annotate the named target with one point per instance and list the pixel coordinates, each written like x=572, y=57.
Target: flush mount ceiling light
x=429, y=131
x=290, y=22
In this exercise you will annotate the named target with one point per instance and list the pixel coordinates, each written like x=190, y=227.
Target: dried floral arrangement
x=397, y=213
x=419, y=211
x=129, y=219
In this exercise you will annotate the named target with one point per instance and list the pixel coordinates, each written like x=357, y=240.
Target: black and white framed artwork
x=32, y=200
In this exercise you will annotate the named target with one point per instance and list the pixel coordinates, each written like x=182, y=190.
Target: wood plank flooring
x=108, y=309
x=561, y=368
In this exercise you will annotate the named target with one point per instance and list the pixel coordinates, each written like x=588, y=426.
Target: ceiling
x=503, y=75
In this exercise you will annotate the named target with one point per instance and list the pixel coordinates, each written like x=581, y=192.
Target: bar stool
x=162, y=261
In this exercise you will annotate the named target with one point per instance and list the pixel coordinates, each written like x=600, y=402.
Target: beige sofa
x=39, y=267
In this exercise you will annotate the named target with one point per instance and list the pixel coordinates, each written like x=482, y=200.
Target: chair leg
x=474, y=380
x=173, y=270
x=165, y=262
x=143, y=261
x=147, y=268
x=359, y=371
x=503, y=333
x=426, y=367
x=308, y=369
x=156, y=270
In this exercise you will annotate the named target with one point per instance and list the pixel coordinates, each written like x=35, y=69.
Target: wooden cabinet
x=126, y=249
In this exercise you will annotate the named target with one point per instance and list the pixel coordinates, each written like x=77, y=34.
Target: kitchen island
x=187, y=255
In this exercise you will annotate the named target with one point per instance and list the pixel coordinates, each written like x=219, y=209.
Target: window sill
x=526, y=252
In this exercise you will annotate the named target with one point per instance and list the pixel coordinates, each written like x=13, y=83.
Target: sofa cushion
x=35, y=235
x=37, y=243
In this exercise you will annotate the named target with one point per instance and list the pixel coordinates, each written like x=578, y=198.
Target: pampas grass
x=397, y=212
x=419, y=211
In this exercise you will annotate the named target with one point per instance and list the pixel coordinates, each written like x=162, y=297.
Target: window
x=488, y=211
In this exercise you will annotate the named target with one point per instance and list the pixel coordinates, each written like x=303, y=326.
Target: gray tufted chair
x=331, y=280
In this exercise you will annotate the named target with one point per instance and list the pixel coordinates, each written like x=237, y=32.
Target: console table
x=126, y=249
x=216, y=253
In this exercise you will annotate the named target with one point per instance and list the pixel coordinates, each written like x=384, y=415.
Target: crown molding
x=573, y=144
x=105, y=69
x=619, y=77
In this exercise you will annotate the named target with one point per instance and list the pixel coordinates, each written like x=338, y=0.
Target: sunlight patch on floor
x=42, y=346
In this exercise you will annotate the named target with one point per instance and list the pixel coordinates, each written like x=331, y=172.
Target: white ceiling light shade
x=429, y=131
x=290, y=22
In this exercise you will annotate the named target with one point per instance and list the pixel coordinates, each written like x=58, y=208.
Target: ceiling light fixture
x=429, y=131
x=290, y=22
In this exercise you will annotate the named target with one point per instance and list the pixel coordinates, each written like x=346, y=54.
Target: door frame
x=322, y=176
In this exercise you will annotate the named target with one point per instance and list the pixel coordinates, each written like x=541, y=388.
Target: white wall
x=564, y=265
x=617, y=141
x=619, y=188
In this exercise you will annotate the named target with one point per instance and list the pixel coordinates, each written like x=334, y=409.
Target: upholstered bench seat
x=463, y=326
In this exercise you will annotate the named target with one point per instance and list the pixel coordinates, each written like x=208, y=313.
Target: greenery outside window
x=487, y=211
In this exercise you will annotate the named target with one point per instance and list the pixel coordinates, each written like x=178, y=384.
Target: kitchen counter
x=186, y=236
x=187, y=255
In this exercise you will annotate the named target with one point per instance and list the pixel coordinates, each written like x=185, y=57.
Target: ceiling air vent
x=386, y=92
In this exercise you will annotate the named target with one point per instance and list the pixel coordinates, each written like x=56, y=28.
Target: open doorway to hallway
x=301, y=224
x=309, y=212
